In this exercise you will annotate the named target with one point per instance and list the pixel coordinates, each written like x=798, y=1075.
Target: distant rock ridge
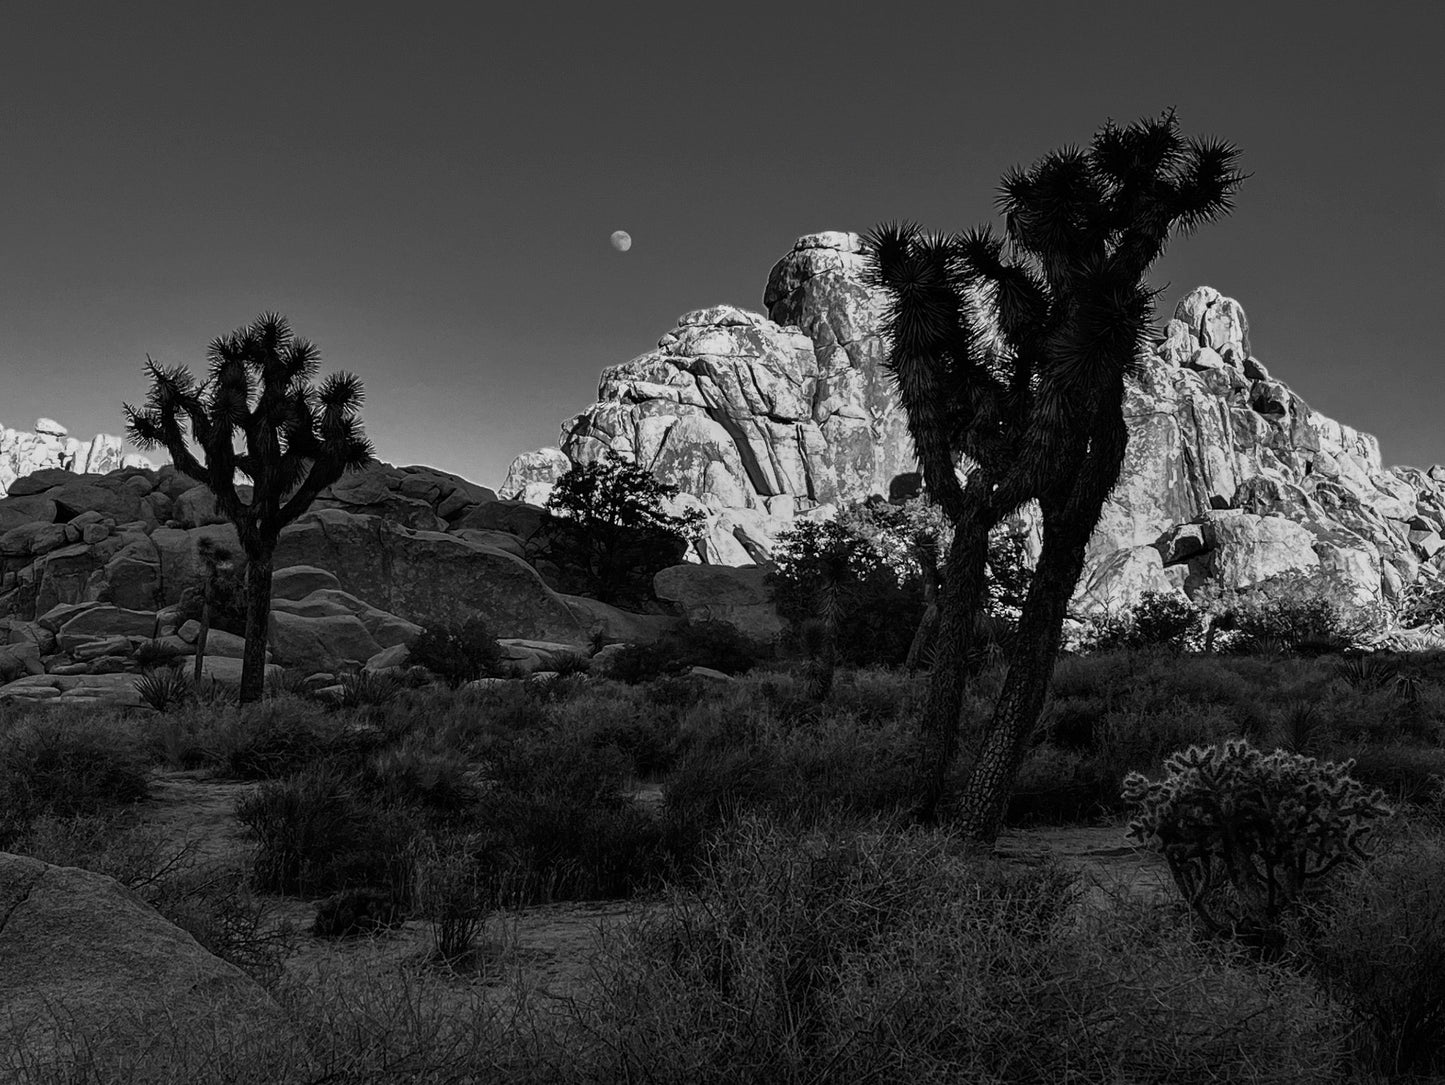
x=1230, y=478
x=49, y=446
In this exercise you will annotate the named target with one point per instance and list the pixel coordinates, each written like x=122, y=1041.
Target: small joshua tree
x=1246, y=833
x=295, y=440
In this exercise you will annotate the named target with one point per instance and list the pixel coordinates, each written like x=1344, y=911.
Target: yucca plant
x=165, y=688
x=369, y=688
x=1011, y=354
x=295, y=440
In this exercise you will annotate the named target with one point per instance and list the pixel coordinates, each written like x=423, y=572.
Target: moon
x=621, y=240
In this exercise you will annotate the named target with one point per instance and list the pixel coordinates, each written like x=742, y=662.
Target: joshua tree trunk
x=959, y=598
x=258, y=617
x=825, y=667
x=927, y=554
x=1036, y=646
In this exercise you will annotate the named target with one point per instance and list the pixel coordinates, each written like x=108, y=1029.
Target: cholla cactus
x=1244, y=831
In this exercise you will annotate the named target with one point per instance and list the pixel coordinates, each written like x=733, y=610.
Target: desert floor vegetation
x=693, y=879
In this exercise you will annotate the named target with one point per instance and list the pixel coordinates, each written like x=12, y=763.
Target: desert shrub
x=315, y=835
x=278, y=737
x=1405, y=773
x=451, y=894
x=1164, y=620
x=217, y=908
x=560, y=824
x=164, y=689
x=864, y=953
x=423, y=775
x=1376, y=942
x=715, y=644
x=457, y=654
x=369, y=689
x=1246, y=834
x=65, y=765
x=1292, y=612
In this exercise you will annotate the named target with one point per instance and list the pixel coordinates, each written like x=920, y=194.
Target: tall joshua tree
x=1010, y=356
x=260, y=414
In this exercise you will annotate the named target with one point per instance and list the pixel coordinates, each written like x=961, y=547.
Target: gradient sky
x=428, y=193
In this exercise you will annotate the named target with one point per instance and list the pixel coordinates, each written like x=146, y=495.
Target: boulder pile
x=760, y=418
x=49, y=445
x=93, y=568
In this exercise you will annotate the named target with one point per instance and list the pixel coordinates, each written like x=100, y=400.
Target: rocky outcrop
x=49, y=445
x=87, y=963
x=1230, y=474
x=92, y=568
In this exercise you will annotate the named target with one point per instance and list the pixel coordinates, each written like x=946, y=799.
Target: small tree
x=294, y=441
x=216, y=561
x=610, y=528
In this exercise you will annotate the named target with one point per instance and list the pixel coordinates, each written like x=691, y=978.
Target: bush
x=611, y=532
x=451, y=895
x=715, y=644
x=858, y=953
x=1158, y=620
x=560, y=824
x=422, y=775
x=1245, y=832
x=65, y=766
x=1377, y=944
x=1294, y=612
x=823, y=565
x=457, y=654
x=279, y=737
x=164, y=690
x=158, y=653
x=316, y=835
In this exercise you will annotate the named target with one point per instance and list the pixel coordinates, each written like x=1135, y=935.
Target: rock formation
x=84, y=959
x=50, y=446
x=93, y=566
x=1230, y=477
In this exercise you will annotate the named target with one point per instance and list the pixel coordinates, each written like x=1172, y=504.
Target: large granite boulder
x=417, y=497
x=739, y=596
x=84, y=958
x=532, y=475
x=427, y=577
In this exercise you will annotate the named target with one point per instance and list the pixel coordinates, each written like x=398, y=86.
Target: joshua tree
x=1010, y=355
x=296, y=439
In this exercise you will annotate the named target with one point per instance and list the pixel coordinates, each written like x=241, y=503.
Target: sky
x=427, y=191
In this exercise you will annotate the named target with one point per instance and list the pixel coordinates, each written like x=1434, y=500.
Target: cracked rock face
x=760, y=419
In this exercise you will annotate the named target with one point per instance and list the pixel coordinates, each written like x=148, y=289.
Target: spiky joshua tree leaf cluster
x=1010, y=354
x=1245, y=832
x=257, y=413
